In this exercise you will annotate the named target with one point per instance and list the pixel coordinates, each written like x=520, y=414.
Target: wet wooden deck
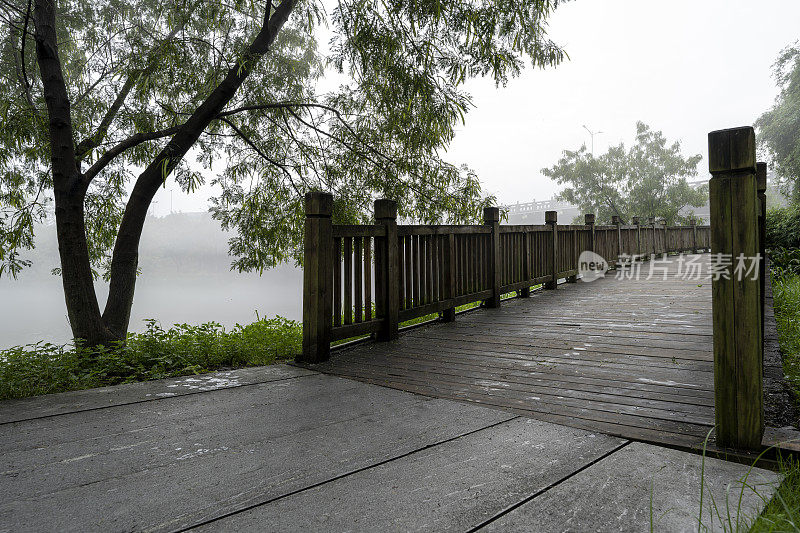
x=626, y=357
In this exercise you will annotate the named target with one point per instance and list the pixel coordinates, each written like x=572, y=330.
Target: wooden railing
x=410, y=271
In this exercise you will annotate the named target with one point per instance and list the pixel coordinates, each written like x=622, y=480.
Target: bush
x=183, y=349
x=783, y=227
x=784, y=262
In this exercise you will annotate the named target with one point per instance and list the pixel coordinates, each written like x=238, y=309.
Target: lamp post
x=592, y=134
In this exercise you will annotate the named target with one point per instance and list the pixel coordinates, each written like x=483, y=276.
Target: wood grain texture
x=640, y=369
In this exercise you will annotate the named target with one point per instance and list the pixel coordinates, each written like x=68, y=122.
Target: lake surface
x=33, y=310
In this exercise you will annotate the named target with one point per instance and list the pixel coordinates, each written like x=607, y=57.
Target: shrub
x=783, y=227
x=784, y=262
x=183, y=349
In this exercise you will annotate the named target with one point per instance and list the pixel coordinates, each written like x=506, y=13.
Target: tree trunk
x=76, y=273
x=70, y=185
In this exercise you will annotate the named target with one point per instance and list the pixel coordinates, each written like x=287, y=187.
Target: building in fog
x=533, y=212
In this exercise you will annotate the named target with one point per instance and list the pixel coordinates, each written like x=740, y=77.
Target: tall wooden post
x=387, y=277
x=666, y=235
x=525, y=292
x=491, y=218
x=738, y=348
x=693, y=223
x=551, y=218
x=635, y=221
x=617, y=221
x=589, y=220
x=652, y=222
x=317, y=278
x=449, y=268
x=761, y=187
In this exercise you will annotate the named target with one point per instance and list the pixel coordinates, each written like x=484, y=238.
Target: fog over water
x=185, y=279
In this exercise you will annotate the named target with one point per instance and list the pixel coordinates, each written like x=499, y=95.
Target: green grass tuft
x=786, y=291
x=183, y=349
x=782, y=513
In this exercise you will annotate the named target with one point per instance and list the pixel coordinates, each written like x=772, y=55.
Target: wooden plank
x=436, y=267
x=436, y=307
x=367, y=278
x=408, y=278
x=358, y=231
x=448, y=268
x=440, y=230
x=417, y=270
x=337, y=282
x=358, y=267
x=348, y=280
x=348, y=331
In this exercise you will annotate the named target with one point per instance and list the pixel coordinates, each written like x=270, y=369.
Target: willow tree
x=103, y=101
x=779, y=128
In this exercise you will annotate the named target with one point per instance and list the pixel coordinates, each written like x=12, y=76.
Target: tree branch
x=125, y=256
x=87, y=145
x=130, y=142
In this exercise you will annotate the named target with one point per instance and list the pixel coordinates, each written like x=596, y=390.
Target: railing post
x=693, y=223
x=551, y=218
x=652, y=222
x=386, y=270
x=525, y=292
x=738, y=349
x=761, y=187
x=589, y=219
x=666, y=236
x=449, y=266
x=491, y=218
x=317, y=278
x=635, y=221
x=617, y=221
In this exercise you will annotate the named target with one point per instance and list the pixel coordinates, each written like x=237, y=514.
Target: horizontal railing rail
x=366, y=279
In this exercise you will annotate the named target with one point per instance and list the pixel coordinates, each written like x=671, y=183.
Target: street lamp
x=592, y=134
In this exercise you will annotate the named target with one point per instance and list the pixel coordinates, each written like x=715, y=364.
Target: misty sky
x=684, y=67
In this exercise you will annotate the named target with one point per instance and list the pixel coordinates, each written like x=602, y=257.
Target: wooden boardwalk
x=626, y=357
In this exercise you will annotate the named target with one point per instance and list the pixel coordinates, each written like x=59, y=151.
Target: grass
x=786, y=291
x=783, y=511
x=181, y=350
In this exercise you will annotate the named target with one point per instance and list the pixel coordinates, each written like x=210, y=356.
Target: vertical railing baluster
x=367, y=278
x=337, y=282
x=358, y=284
x=348, y=280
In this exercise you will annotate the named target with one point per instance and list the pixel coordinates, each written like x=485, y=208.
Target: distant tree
x=779, y=128
x=101, y=102
x=647, y=180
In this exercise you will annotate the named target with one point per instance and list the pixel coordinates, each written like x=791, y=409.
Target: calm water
x=34, y=310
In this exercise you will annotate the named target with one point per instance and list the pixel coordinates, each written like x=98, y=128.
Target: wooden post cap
x=588, y=219
x=635, y=221
x=761, y=177
x=550, y=217
x=319, y=204
x=616, y=220
x=385, y=209
x=732, y=150
x=491, y=214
